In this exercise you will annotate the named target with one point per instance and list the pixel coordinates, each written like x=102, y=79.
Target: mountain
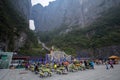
x=69, y=13
x=99, y=39
x=14, y=25
x=84, y=28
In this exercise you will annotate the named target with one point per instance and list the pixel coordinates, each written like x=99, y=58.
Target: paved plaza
x=99, y=73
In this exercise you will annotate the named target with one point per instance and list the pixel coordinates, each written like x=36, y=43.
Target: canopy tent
x=114, y=57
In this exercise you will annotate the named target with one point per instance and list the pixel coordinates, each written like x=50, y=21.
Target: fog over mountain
x=85, y=27
x=69, y=13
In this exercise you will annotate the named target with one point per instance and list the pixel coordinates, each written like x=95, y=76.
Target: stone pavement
x=100, y=73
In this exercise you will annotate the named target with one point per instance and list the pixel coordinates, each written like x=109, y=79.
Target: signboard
x=5, y=59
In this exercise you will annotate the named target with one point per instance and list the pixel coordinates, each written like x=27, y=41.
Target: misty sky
x=43, y=2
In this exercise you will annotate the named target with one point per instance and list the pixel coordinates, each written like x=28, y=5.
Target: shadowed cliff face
x=69, y=12
x=14, y=26
x=23, y=7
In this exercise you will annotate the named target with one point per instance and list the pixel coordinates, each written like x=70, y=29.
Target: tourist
x=36, y=69
x=85, y=63
x=27, y=66
x=106, y=64
x=92, y=64
x=55, y=66
x=111, y=64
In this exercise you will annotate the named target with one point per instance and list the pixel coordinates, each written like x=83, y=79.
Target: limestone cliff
x=100, y=20
x=23, y=7
x=69, y=13
x=14, y=23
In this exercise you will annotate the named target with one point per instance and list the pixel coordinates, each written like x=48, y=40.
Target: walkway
x=100, y=73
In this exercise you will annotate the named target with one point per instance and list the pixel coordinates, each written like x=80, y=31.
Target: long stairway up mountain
x=43, y=45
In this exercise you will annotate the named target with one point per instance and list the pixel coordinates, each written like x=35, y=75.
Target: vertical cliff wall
x=70, y=13
x=23, y=7
x=14, y=23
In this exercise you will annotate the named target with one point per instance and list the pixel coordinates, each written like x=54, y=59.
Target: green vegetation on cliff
x=105, y=31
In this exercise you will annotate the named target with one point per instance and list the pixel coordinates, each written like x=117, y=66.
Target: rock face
x=20, y=41
x=23, y=7
x=14, y=22
x=69, y=13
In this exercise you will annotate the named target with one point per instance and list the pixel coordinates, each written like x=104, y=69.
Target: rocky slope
x=67, y=13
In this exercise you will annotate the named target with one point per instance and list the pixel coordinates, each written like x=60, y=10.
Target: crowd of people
x=109, y=64
x=62, y=67
x=66, y=66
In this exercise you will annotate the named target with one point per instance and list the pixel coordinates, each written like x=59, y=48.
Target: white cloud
x=43, y=2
